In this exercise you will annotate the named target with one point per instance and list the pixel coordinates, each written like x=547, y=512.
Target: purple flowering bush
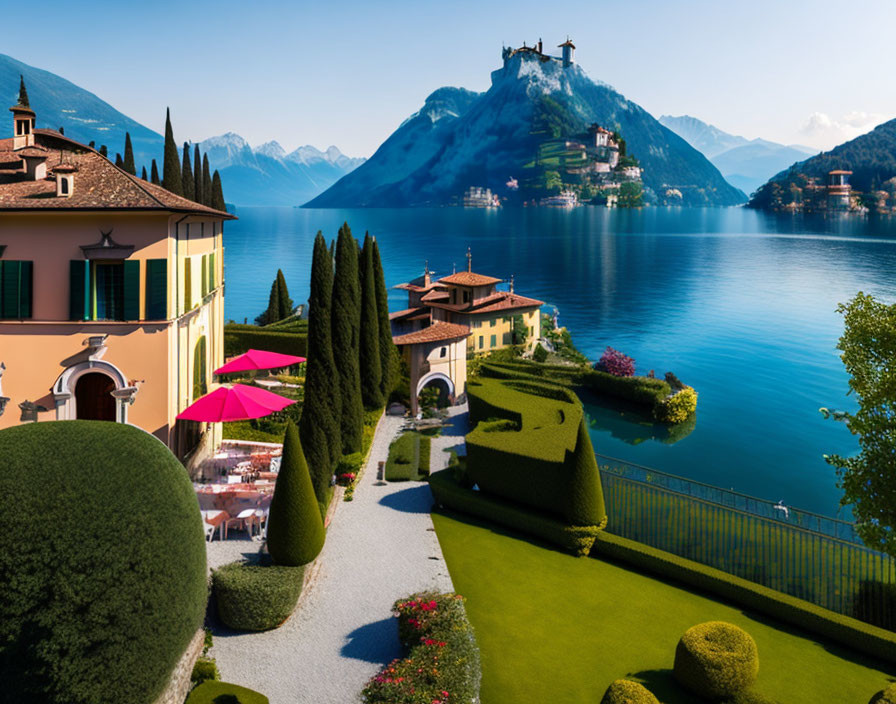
x=615, y=363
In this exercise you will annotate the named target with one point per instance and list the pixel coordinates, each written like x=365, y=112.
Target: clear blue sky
x=347, y=73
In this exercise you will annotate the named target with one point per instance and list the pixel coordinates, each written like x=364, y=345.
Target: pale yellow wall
x=500, y=325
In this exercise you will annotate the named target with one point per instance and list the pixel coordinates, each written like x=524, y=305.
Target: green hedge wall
x=545, y=460
x=285, y=340
x=256, y=597
x=865, y=638
x=102, y=563
x=225, y=693
x=448, y=493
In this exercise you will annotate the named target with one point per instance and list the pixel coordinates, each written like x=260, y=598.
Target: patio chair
x=244, y=519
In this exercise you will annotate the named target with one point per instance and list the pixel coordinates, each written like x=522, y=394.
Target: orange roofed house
x=111, y=290
x=454, y=316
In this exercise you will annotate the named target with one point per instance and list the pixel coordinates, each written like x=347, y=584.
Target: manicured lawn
x=556, y=628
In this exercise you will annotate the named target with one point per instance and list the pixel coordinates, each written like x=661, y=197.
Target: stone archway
x=436, y=376
x=65, y=390
x=443, y=384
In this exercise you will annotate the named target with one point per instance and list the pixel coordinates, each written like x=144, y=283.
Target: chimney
x=469, y=260
x=35, y=159
x=23, y=119
x=65, y=180
x=426, y=279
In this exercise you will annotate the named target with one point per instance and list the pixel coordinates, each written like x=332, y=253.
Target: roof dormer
x=65, y=180
x=23, y=119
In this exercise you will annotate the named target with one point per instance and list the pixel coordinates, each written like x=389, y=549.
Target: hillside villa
x=111, y=290
x=453, y=317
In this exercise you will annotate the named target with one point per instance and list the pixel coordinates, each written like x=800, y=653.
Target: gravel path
x=380, y=547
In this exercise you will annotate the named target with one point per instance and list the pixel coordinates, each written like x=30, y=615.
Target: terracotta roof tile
x=99, y=185
x=436, y=295
x=500, y=300
x=437, y=332
x=402, y=314
x=468, y=278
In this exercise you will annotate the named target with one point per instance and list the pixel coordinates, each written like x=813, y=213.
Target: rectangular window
x=108, y=291
x=494, y=341
x=156, y=289
x=506, y=338
x=494, y=321
x=480, y=342
x=16, y=285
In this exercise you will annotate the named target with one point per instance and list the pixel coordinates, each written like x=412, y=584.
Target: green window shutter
x=131, y=289
x=26, y=285
x=156, y=289
x=204, y=266
x=9, y=309
x=79, y=289
x=188, y=281
x=211, y=271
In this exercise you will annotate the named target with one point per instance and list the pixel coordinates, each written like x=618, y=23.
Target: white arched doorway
x=442, y=382
x=87, y=387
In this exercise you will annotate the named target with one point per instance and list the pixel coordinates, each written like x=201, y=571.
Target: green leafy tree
x=346, y=334
x=631, y=195
x=217, y=200
x=868, y=479
x=129, y=164
x=321, y=412
x=553, y=183
x=206, y=182
x=369, y=344
x=154, y=173
x=187, y=175
x=171, y=177
x=295, y=528
x=388, y=351
x=520, y=332
x=197, y=174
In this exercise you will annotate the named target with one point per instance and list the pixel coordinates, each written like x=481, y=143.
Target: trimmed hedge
x=443, y=663
x=541, y=455
x=449, y=493
x=102, y=562
x=863, y=637
x=716, y=659
x=225, y=693
x=286, y=340
x=256, y=597
x=409, y=457
x=204, y=669
x=885, y=696
x=424, y=455
x=628, y=692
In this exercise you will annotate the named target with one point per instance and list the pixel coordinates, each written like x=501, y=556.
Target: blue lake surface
x=740, y=305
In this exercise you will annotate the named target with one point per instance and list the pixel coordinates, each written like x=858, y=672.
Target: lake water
x=740, y=305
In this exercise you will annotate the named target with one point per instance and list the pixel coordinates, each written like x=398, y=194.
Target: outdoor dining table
x=218, y=519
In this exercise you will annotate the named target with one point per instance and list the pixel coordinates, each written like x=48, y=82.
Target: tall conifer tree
x=346, y=334
x=270, y=314
x=284, y=302
x=143, y=175
x=388, y=350
x=104, y=151
x=319, y=424
x=118, y=161
x=197, y=174
x=217, y=201
x=369, y=343
x=154, y=173
x=129, y=164
x=187, y=175
x=171, y=178
x=206, y=183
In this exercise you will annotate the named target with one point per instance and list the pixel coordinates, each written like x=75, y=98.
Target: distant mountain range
x=266, y=175
x=745, y=163
x=460, y=139
x=871, y=157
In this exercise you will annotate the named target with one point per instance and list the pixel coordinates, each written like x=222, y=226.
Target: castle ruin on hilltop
x=537, y=52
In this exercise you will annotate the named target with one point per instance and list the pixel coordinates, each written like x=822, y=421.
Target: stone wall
x=179, y=685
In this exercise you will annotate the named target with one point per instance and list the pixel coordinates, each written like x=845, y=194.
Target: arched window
x=200, y=383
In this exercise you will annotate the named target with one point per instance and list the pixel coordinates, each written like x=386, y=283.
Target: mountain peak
x=271, y=149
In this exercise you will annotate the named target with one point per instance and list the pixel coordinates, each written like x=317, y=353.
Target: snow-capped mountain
x=745, y=163
x=460, y=139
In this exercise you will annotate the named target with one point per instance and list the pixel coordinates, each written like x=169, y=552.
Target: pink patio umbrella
x=258, y=359
x=237, y=402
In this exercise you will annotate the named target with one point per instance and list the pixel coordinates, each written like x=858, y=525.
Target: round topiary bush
x=885, y=696
x=102, y=563
x=256, y=597
x=628, y=692
x=224, y=693
x=716, y=659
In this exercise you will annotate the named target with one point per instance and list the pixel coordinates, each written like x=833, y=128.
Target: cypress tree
x=284, y=302
x=295, y=527
x=388, y=350
x=92, y=144
x=118, y=161
x=197, y=174
x=143, y=175
x=187, y=173
x=206, y=183
x=154, y=173
x=217, y=199
x=369, y=343
x=346, y=334
x=104, y=151
x=171, y=178
x=129, y=164
x=319, y=424
x=270, y=314
x=23, y=93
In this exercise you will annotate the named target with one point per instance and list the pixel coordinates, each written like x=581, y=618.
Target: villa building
x=455, y=316
x=111, y=290
x=839, y=190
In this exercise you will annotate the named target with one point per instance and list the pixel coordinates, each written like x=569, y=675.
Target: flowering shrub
x=615, y=363
x=443, y=664
x=677, y=407
x=345, y=479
